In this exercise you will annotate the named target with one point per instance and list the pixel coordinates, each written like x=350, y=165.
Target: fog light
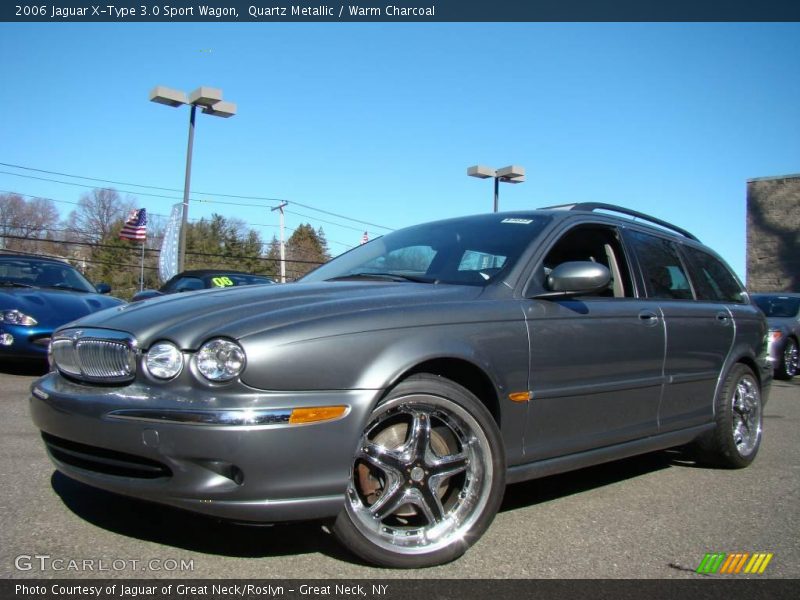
x=6, y=339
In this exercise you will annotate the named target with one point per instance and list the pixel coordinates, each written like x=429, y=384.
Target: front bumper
x=18, y=341
x=274, y=471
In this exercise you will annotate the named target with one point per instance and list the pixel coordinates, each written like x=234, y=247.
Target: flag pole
x=141, y=274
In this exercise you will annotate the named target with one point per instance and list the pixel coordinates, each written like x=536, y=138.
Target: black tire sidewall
x=347, y=532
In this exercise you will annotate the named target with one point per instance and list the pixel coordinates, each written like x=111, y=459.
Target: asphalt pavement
x=653, y=516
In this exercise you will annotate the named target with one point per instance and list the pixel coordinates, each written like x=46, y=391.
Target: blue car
x=39, y=295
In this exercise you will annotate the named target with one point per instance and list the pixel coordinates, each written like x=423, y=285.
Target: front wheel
x=427, y=478
x=735, y=441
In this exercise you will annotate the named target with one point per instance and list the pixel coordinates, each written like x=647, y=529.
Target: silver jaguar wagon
x=397, y=389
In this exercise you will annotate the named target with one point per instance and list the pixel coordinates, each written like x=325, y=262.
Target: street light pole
x=510, y=174
x=280, y=208
x=210, y=100
x=186, y=185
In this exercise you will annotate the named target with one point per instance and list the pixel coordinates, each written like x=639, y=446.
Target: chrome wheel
x=736, y=437
x=746, y=413
x=790, y=359
x=422, y=475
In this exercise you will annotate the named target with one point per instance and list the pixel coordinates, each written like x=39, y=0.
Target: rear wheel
x=789, y=360
x=427, y=478
x=735, y=441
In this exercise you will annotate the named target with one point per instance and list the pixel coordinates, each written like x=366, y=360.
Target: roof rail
x=592, y=206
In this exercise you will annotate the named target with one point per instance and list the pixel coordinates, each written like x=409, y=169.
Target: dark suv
x=398, y=388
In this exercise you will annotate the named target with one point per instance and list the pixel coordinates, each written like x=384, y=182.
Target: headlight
x=164, y=360
x=14, y=317
x=220, y=360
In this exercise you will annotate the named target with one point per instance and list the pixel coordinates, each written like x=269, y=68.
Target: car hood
x=305, y=309
x=53, y=307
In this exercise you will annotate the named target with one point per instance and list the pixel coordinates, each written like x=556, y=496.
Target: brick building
x=773, y=234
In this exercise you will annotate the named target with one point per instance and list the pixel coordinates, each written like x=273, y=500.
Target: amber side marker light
x=316, y=414
x=520, y=396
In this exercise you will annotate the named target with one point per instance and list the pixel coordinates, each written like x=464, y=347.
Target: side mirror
x=576, y=278
x=103, y=288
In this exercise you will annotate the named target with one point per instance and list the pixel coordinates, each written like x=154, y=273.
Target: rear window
x=713, y=280
x=662, y=268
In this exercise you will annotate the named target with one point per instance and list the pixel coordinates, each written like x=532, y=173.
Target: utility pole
x=283, y=247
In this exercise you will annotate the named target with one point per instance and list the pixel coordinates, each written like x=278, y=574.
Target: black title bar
x=252, y=11
x=395, y=589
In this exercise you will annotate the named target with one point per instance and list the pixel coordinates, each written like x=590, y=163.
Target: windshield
x=467, y=251
x=212, y=280
x=18, y=271
x=778, y=306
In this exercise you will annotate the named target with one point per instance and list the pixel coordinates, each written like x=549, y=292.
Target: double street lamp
x=510, y=174
x=210, y=101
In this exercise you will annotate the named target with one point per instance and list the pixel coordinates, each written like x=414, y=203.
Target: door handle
x=723, y=318
x=648, y=317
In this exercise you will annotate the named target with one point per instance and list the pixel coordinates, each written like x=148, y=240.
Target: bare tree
x=24, y=224
x=11, y=208
x=96, y=214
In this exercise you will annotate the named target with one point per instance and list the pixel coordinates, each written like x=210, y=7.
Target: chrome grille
x=95, y=355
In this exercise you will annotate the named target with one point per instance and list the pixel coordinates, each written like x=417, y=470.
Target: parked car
x=398, y=388
x=783, y=317
x=202, y=279
x=38, y=295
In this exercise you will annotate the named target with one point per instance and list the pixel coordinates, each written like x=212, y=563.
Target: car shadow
x=170, y=526
x=545, y=489
x=190, y=531
x=25, y=368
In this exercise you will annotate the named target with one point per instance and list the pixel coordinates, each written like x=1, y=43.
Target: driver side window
x=594, y=243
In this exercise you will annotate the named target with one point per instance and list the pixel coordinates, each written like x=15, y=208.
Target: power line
x=192, y=219
x=292, y=212
x=152, y=187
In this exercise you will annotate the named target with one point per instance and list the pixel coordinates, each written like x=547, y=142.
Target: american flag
x=135, y=227
x=365, y=238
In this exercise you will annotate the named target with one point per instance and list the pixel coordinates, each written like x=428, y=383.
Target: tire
x=736, y=438
x=427, y=478
x=789, y=360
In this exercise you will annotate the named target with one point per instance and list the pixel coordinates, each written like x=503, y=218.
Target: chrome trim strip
x=232, y=417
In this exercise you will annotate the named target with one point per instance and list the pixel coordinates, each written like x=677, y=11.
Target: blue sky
x=378, y=121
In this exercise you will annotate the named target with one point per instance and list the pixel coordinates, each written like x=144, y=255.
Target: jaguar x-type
x=396, y=389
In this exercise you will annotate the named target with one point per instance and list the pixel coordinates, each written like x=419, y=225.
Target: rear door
x=699, y=332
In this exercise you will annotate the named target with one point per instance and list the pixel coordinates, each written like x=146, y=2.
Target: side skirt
x=561, y=464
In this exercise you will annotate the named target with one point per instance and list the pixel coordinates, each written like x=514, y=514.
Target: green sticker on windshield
x=222, y=282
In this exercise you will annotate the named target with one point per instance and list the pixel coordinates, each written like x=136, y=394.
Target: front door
x=596, y=363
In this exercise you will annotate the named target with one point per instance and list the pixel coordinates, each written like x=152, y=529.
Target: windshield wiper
x=384, y=277
x=15, y=284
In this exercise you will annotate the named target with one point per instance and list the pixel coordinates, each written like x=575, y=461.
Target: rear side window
x=662, y=268
x=712, y=278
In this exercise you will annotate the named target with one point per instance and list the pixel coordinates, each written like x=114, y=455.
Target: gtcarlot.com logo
x=735, y=563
